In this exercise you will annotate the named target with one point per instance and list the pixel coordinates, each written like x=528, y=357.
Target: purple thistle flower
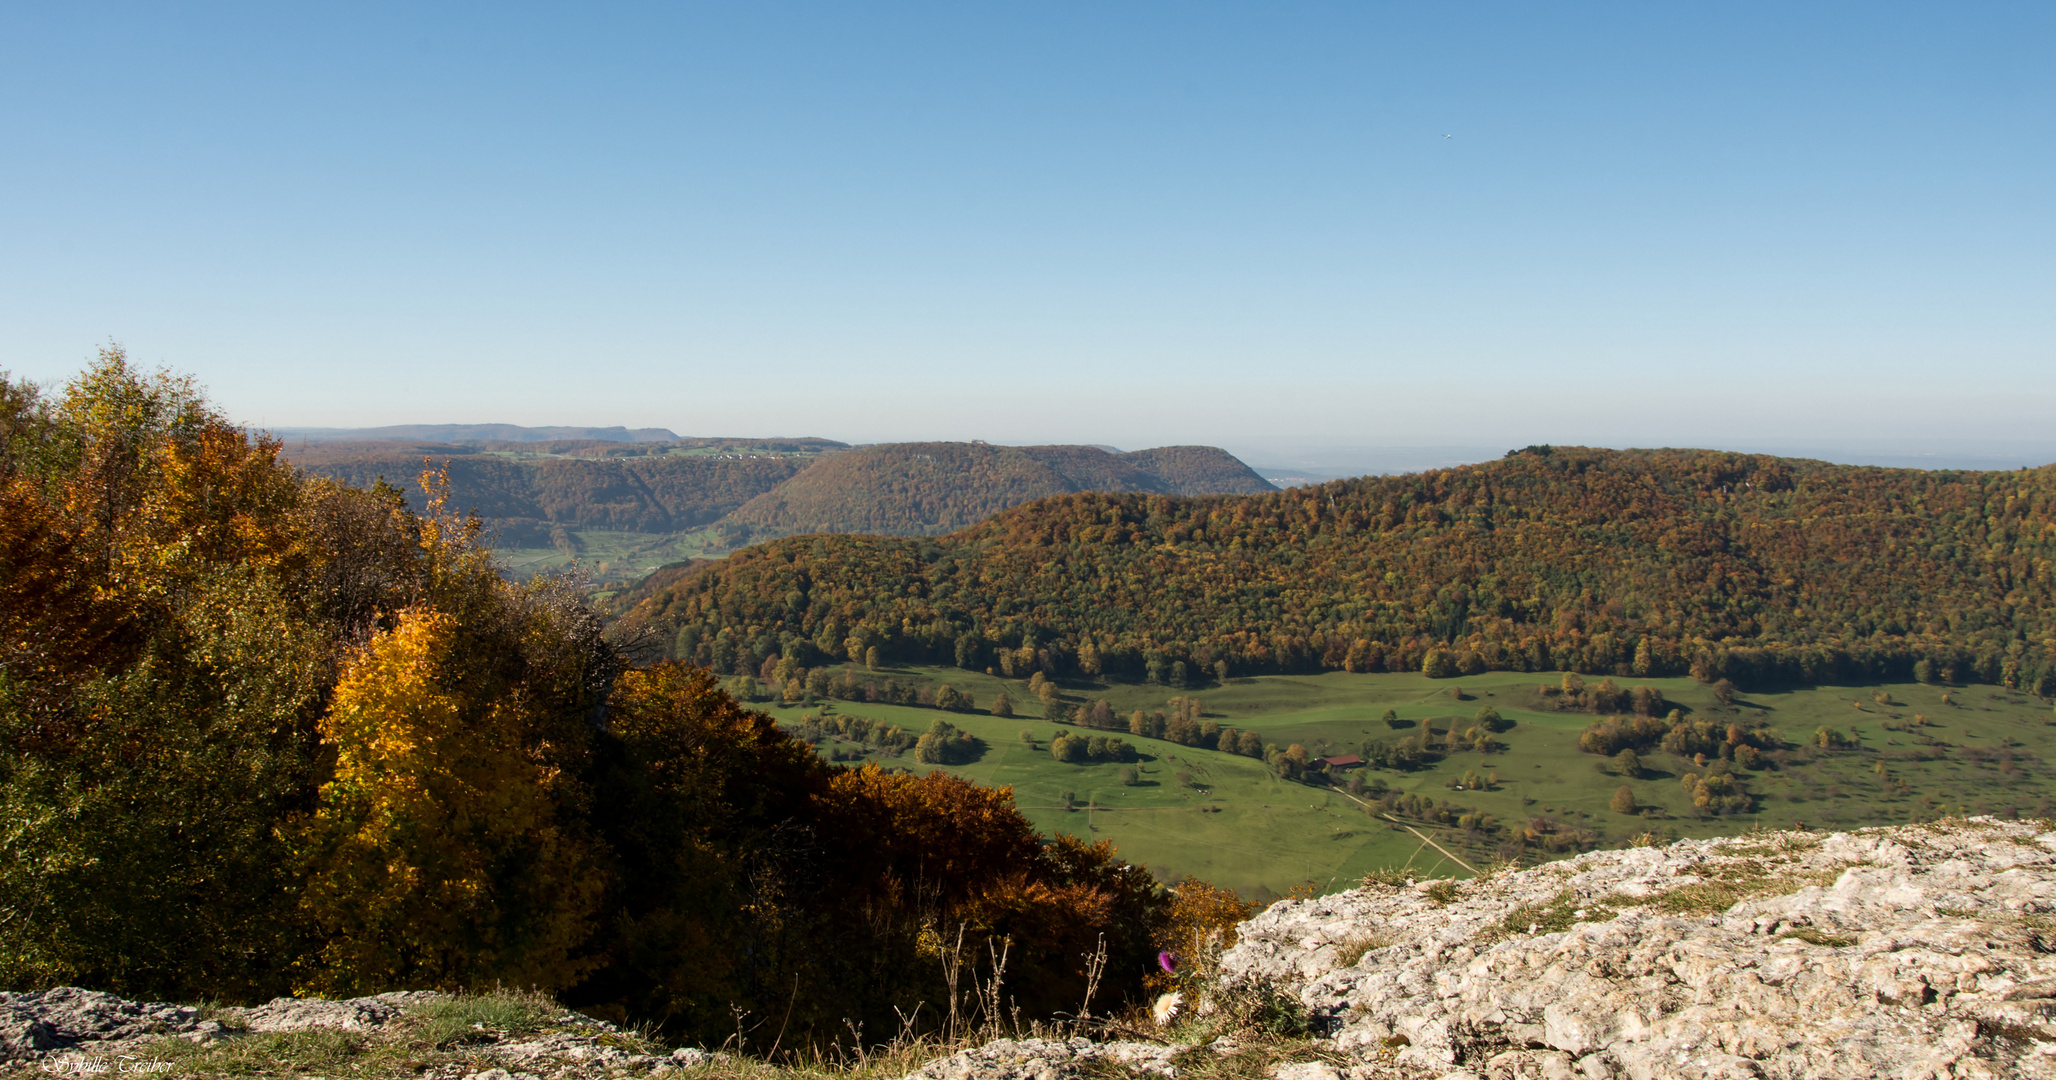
x=1168, y=960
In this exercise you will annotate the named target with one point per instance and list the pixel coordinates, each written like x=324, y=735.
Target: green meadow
x=1910, y=752
x=613, y=560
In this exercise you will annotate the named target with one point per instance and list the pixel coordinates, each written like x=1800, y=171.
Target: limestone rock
x=352, y=1014
x=43, y=1021
x=22, y=1035
x=1923, y=950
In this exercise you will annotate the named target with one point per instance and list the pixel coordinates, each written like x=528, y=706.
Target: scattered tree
x=1624, y=800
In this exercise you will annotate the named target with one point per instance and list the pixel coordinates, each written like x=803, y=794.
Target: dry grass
x=1723, y=885
x=1351, y=950
x=1551, y=916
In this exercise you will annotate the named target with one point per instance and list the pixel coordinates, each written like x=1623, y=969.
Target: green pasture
x=1979, y=749
x=612, y=560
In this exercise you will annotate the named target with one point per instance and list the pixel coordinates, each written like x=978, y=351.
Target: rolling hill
x=1643, y=563
x=524, y=497
x=531, y=491
x=927, y=489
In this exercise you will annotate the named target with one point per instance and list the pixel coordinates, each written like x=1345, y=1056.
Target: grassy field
x=613, y=560
x=1979, y=749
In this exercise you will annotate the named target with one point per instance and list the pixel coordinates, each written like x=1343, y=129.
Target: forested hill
x=761, y=488
x=915, y=489
x=576, y=485
x=1617, y=562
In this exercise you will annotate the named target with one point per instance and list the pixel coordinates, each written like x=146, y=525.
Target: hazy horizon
x=1314, y=461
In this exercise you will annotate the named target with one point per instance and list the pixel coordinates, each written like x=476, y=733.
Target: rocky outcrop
x=1914, y=951
x=44, y=1022
x=351, y=1014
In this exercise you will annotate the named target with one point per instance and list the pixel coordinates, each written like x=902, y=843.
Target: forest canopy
x=1631, y=563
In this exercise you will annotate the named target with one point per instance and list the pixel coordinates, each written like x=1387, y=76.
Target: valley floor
x=1921, y=752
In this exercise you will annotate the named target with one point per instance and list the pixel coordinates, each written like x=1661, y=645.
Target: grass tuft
x=460, y=1019
x=279, y=1053
x=1552, y=916
x=1351, y=950
x=1723, y=885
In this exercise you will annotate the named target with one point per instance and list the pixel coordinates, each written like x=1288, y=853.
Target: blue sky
x=1277, y=227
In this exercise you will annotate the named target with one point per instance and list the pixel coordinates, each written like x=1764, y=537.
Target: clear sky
x=1256, y=225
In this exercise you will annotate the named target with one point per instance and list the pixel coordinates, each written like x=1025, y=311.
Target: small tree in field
x=1624, y=800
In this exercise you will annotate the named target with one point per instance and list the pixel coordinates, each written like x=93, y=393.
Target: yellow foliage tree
x=436, y=857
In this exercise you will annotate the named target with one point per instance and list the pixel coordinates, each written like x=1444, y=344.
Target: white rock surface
x=44, y=1022
x=1914, y=951
x=351, y=1014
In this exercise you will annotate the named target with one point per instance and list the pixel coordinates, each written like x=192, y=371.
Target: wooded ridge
x=758, y=489
x=1641, y=562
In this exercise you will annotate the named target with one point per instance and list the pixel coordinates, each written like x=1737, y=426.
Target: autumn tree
x=436, y=857
x=946, y=744
x=1624, y=800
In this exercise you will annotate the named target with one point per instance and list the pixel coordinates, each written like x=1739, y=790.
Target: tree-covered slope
x=926, y=489
x=1630, y=562
x=1197, y=470
x=519, y=496
x=765, y=488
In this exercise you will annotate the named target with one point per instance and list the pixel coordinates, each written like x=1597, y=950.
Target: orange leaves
x=435, y=857
x=945, y=832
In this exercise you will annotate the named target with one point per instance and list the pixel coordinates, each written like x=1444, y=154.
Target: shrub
x=946, y=744
x=1078, y=749
x=1828, y=738
x=1688, y=738
x=1615, y=734
x=1624, y=800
